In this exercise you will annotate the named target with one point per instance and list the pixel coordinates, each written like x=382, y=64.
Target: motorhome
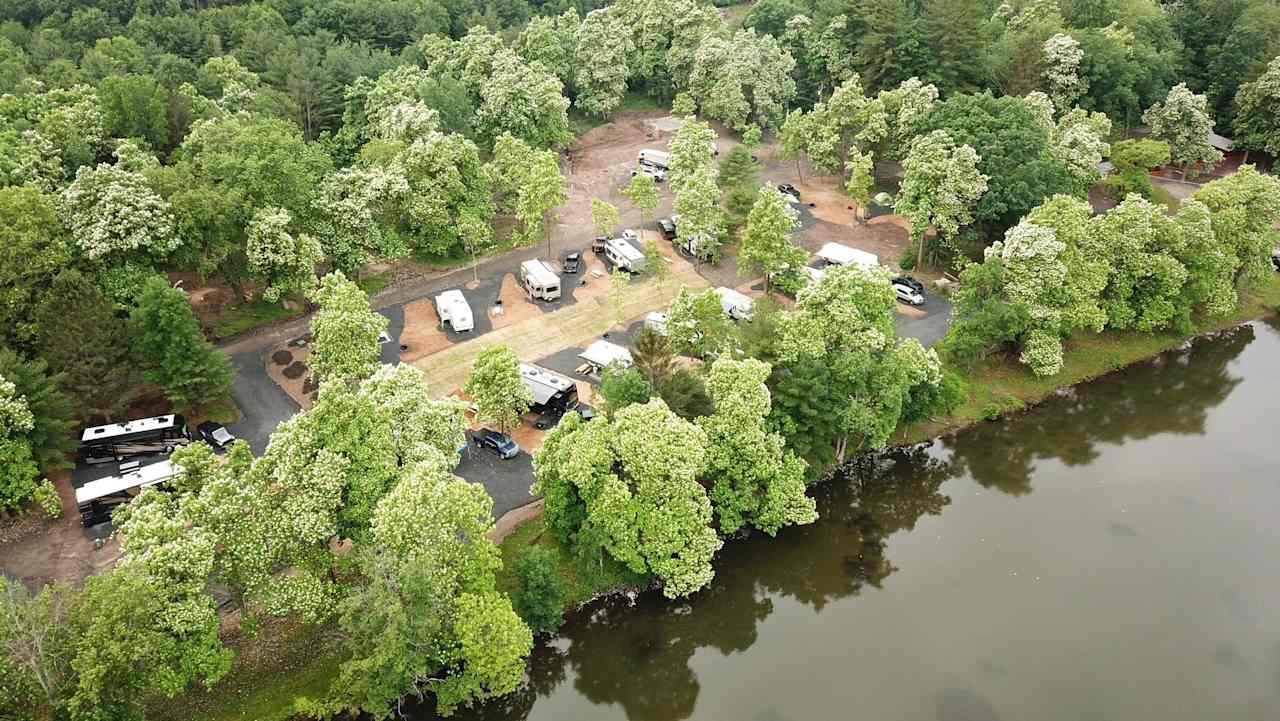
x=539, y=280
x=453, y=309
x=116, y=442
x=656, y=158
x=623, y=255
x=551, y=391
x=96, y=499
x=736, y=305
x=836, y=254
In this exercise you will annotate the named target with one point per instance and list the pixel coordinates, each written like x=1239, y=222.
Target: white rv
x=656, y=158
x=602, y=354
x=453, y=309
x=539, y=280
x=836, y=254
x=551, y=391
x=96, y=499
x=624, y=255
x=736, y=305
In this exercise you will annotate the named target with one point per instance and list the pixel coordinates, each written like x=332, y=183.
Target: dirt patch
x=57, y=550
x=516, y=306
x=282, y=357
x=294, y=378
x=827, y=204
x=526, y=435
x=911, y=312
x=513, y=519
x=422, y=331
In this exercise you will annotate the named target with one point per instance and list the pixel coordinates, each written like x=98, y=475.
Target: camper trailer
x=623, y=255
x=655, y=158
x=539, y=280
x=552, y=392
x=836, y=254
x=736, y=305
x=116, y=442
x=453, y=309
x=96, y=499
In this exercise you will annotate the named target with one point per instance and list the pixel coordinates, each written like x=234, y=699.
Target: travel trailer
x=452, y=307
x=539, y=280
x=836, y=254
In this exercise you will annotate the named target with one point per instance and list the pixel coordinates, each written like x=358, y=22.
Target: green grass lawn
x=247, y=316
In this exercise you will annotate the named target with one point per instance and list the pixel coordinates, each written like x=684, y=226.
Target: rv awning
x=602, y=353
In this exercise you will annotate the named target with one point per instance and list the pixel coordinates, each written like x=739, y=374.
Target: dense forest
x=265, y=144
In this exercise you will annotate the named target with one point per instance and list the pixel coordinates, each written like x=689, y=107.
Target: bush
x=908, y=260
x=47, y=496
x=540, y=600
x=991, y=411
x=927, y=401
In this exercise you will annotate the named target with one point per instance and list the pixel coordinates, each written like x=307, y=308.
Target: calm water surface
x=1114, y=554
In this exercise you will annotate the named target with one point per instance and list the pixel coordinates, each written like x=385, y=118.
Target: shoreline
x=999, y=388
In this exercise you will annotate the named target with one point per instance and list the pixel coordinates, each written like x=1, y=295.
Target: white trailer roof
x=114, y=430
x=650, y=155
x=729, y=295
x=540, y=273
x=454, y=304
x=837, y=254
x=625, y=249
x=544, y=384
x=148, y=475
x=602, y=354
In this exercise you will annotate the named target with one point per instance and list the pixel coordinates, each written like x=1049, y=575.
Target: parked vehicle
x=657, y=322
x=667, y=226
x=116, y=442
x=788, y=189
x=907, y=294
x=572, y=264
x=736, y=305
x=695, y=247
x=552, y=392
x=500, y=443
x=539, y=280
x=909, y=281
x=215, y=434
x=623, y=255
x=655, y=158
x=96, y=499
x=598, y=243
x=837, y=254
x=453, y=309
x=658, y=174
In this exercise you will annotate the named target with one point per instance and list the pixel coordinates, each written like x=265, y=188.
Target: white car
x=907, y=294
x=658, y=174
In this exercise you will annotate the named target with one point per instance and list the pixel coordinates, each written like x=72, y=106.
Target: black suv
x=910, y=282
x=499, y=443
x=215, y=434
x=789, y=189
x=572, y=263
x=668, y=228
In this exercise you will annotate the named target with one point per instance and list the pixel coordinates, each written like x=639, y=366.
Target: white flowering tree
x=526, y=101
x=1245, y=208
x=743, y=79
x=844, y=125
x=1141, y=244
x=702, y=219
x=755, y=480
x=629, y=487
x=28, y=158
x=940, y=186
x=496, y=386
x=353, y=208
x=601, y=62
x=450, y=198
x=844, y=323
x=1183, y=121
x=113, y=213
x=766, y=241
x=906, y=107
x=237, y=84
x=418, y=426
x=1079, y=142
x=345, y=331
x=1257, y=120
x=284, y=259
x=18, y=470
x=1062, y=56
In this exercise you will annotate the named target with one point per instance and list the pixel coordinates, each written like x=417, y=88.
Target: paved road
x=930, y=329
x=264, y=404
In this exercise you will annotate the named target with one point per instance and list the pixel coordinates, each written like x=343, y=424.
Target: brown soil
x=57, y=550
x=422, y=331
x=516, y=306
x=600, y=162
x=513, y=519
x=281, y=357
x=294, y=378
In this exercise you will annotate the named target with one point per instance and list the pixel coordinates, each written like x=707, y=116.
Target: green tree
x=345, y=331
x=530, y=181
x=1183, y=121
x=542, y=593
x=643, y=193
x=1245, y=208
x=619, y=284
x=19, y=470
x=33, y=248
x=677, y=386
x=37, y=645
x=285, y=260
x=766, y=244
x=698, y=326
x=605, y=215
x=1134, y=159
x=1257, y=120
x=52, y=433
x=621, y=387
x=754, y=478
x=450, y=198
x=940, y=186
x=496, y=386
x=86, y=344
x=602, y=56
x=636, y=479
x=134, y=106
x=172, y=350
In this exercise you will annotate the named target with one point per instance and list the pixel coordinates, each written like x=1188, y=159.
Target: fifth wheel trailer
x=551, y=391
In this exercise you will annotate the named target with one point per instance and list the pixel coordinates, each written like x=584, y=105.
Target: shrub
x=908, y=260
x=540, y=600
x=991, y=411
x=47, y=496
x=926, y=401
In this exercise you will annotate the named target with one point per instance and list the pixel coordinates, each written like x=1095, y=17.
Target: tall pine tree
x=173, y=352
